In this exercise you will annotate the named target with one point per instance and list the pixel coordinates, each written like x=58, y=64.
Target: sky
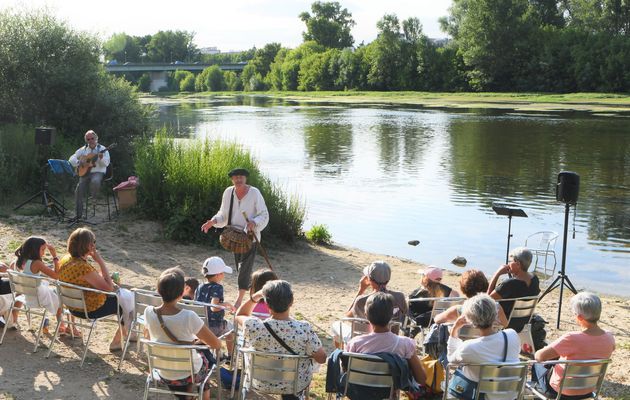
x=232, y=24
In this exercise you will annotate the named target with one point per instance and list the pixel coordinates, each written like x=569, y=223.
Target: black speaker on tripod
x=44, y=136
x=567, y=191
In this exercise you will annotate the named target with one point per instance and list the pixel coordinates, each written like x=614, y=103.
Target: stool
x=108, y=186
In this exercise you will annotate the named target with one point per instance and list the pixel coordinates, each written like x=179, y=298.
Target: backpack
x=435, y=374
x=539, y=334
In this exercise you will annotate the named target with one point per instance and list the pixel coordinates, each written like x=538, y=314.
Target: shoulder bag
x=461, y=387
x=168, y=332
x=233, y=238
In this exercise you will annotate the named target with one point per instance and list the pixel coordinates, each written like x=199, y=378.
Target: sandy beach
x=325, y=280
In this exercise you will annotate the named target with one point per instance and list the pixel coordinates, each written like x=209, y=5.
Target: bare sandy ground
x=324, y=280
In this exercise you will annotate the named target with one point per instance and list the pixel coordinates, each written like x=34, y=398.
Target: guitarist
x=93, y=178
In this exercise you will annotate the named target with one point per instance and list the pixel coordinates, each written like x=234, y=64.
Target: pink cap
x=432, y=272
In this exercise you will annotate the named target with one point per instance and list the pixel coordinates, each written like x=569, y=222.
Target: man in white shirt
x=93, y=178
x=238, y=199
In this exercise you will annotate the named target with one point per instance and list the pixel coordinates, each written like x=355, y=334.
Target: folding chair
x=577, y=375
x=173, y=358
x=27, y=285
x=142, y=300
x=271, y=368
x=73, y=296
x=498, y=379
x=542, y=245
x=523, y=309
x=440, y=304
x=369, y=371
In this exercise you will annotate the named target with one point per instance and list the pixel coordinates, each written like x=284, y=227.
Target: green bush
x=319, y=234
x=182, y=183
x=215, y=81
x=187, y=84
x=144, y=83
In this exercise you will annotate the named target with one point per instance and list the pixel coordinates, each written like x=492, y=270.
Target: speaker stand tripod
x=562, y=279
x=53, y=206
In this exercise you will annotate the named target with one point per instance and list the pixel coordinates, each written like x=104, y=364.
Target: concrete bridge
x=157, y=71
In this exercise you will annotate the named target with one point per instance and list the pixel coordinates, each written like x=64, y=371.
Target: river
x=379, y=176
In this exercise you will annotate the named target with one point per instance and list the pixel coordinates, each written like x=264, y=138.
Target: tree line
x=494, y=45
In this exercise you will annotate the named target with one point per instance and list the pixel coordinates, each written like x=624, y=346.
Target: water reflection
x=379, y=176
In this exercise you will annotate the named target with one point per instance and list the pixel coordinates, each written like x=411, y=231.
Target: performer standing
x=94, y=178
x=242, y=198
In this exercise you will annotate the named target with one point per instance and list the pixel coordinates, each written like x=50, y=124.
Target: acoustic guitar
x=87, y=162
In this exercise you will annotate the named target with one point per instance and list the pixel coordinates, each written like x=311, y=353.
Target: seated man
x=377, y=276
x=379, y=309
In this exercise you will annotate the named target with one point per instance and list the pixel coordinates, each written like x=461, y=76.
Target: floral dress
x=298, y=335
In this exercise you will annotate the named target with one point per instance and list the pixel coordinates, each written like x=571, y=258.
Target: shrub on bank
x=319, y=234
x=182, y=182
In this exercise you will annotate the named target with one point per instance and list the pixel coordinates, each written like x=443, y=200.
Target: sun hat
x=214, y=265
x=378, y=271
x=432, y=272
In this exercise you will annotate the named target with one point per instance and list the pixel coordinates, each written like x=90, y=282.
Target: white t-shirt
x=184, y=326
x=252, y=204
x=485, y=349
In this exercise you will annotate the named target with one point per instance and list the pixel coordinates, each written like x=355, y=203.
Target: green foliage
x=251, y=79
x=319, y=234
x=187, y=84
x=51, y=74
x=215, y=80
x=182, y=185
x=329, y=25
x=144, y=83
x=123, y=48
x=171, y=46
x=264, y=57
x=232, y=81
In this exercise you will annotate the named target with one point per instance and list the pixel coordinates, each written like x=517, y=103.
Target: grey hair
x=523, y=255
x=480, y=310
x=92, y=132
x=588, y=305
x=278, y=295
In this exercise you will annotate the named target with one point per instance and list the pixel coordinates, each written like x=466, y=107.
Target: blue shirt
x=206, y=293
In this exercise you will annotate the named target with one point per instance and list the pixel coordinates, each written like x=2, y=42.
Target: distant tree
x=329, y=25
x=383, y=55
x=188, y=83
x=547, y=13
x=144, y=83
x=232, y=81
x=171, y=46
x=214, y=80
x=122, y=48
x=264, y=57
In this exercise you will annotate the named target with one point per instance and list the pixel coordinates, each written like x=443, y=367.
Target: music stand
x=53, y=206
x=506, y=210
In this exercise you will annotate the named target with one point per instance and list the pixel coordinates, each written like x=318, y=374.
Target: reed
x=182, y=181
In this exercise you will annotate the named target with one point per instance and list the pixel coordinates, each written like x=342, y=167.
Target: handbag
x=435, y=374
x=233, y=238
x=461, y=387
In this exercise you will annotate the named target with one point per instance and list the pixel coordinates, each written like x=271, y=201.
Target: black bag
x=539, y=334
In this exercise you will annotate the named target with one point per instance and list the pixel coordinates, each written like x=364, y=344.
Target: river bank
x=324, y=280
x=595, y=103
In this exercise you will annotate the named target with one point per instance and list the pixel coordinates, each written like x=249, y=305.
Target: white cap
x=214, y=265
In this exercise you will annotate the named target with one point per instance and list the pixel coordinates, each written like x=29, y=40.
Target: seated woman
x=168, y=322
x=430, y=286
x=480, y=311
x=471, y=283
x=259, y=278
x=520, y=284
x=297, y=335
x=74, y=268
x=379, y=308
x=590, y=343
x=29, y=261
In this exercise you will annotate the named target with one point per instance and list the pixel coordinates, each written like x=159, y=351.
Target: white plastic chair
x=73, y=296
x=172, y=358
x=578, y=375
x=27, y=285
x=542, y=245
x=498, y=379
x=271, y=368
